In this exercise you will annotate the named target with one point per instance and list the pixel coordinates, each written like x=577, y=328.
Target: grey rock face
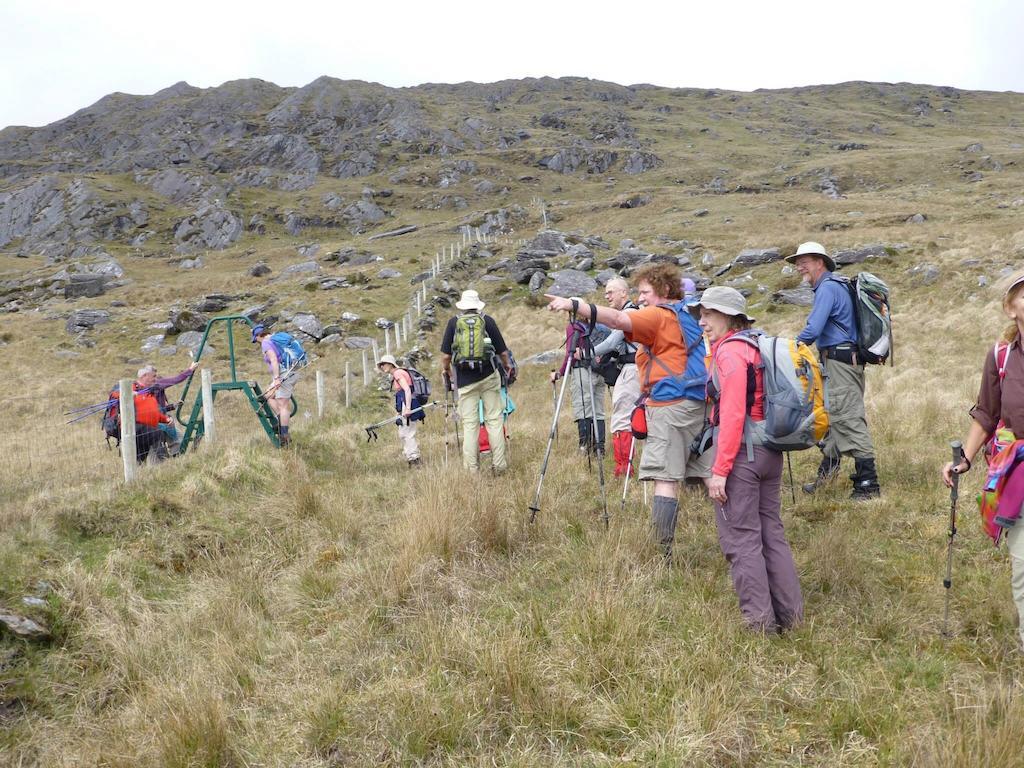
x=86, y=319
x=605, y=275
x=302, y=268
x=917, y=218
x=215, y=302
x=358, y=342
x=89, y=286
x=309, y=250
x=571, y=282
x=628, y=259
x=552, y=241
x=858, y=255
x=536, y=281
x=701, y=212
x=361, y=163
x=924, y=274
x=361, y=214
x=152, y=343
x=309, y=324
x=975, y=148
x=802, y=296
x=634, y=201
x=187, y=320
x=191, y=340
x=752, y=256
x=210, y=227
x=196, y=263
x=350, y=317
x=259, y=269
x=389, y=274
x=641, y=162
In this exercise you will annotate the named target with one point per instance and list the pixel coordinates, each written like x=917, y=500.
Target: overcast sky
x=59, y=56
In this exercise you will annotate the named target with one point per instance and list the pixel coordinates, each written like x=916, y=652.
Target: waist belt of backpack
x=842, y=353
x=629, y=359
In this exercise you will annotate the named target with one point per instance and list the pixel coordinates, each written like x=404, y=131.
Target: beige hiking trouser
x=848, y=423
x=1015, y=543
x=625, y=393
x=487, y=391
x=407, y=434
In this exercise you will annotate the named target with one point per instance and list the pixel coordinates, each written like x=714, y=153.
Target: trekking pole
x=792, y=487
x=535, y=506
x=371, y=431
x=629, y=471
x=958, y=452
x=554, y=400
x=594, y=442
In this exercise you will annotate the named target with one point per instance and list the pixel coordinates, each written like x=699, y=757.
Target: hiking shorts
x=284, y=392
x=670, y=431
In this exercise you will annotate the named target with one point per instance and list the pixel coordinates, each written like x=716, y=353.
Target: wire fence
x=44, y=454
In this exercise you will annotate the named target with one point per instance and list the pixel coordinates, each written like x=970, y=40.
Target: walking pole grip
x=958, y=456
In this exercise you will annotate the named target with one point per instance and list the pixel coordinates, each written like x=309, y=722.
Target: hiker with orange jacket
x=670, y=361
x=746, y=478
x=149, y=418
x=997, y=420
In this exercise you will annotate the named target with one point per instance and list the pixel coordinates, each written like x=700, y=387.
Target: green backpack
x=469, y=349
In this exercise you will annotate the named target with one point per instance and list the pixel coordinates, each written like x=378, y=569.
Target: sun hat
x=256, y=331
x=470, y=300
x=1017, y=280
x=387, y=359
x=811, y=248
x=728, y=301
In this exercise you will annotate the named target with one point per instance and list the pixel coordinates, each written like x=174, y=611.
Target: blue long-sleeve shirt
x=831, y=320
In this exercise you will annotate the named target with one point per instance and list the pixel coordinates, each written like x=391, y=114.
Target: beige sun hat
x=387, y=359
x=728, y=301
x=811, y=248
x=470, y=300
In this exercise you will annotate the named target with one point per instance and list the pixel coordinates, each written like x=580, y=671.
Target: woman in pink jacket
x=746, y=478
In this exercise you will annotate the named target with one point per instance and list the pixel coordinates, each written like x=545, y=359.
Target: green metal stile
x=194, y=426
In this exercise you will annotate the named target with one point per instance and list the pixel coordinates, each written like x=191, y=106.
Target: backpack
x=795, y=400
x=1003, y=493
x=420, y=385
x=111, y=421
x=469, y=349
x=1002, y=437
x=872, y=315
x=290, y=354
x=691, y=381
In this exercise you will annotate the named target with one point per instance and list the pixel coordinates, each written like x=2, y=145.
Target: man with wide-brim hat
x=832, y=326
x=405, y=404
x=474, y=347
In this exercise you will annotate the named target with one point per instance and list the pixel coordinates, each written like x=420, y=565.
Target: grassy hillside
x=325, y=606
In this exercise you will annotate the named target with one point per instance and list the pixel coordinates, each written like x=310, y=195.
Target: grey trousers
x=848, y=424
x=754, y=543
x=579, y=386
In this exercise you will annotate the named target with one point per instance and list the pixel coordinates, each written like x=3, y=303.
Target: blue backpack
x=690, y=383
x=290, y=354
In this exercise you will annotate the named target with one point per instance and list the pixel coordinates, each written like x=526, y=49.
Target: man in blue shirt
x=833, y=327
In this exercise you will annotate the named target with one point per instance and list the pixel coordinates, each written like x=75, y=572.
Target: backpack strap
x=1001, y=364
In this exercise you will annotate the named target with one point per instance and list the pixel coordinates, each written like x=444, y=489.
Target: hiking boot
x=827, y=471
x=599, y=444
x=414, y=463
x=583, y=427
x=285, y=440
x=865, y=481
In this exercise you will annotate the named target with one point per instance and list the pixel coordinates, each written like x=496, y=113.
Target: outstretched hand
x=558, y=303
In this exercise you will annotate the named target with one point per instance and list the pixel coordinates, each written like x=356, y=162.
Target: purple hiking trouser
x=754, y=543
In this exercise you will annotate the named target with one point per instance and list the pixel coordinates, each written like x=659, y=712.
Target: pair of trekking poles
x=574, y=344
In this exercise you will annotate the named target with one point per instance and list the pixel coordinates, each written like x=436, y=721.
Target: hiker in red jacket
x=746, y=479
x=148, y=379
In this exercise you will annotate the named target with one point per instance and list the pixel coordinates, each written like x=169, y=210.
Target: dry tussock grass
x=326, y=606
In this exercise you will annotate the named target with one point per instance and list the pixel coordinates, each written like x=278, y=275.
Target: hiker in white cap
x=473, y=345
x=745, y=485
x=832, y=325
x=405, y=402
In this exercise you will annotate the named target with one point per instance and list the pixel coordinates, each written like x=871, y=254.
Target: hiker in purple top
x=148, y=379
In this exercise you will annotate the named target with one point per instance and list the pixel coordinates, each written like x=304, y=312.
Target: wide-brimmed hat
x=387, y=359
x=1014, y=282
x=470, y=300
x=728, y=301
x=256, y=331
x=810, y=248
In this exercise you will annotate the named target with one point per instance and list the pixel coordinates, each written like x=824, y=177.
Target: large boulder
x=211, y=227
x=358, y=342
x=187, y=320
x=754, y=256
x=309, y=324
x=88, y=286
x=302, y=268
x=858, y=255
x=572, y=282
x=86, y=319
x=640, y=162
x=801, y=296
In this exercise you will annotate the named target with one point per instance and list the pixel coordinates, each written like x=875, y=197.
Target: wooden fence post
x=348, y=385
x=387, y=343
x=321, y=393
x=127, y=410
x=398, y=336
x=366, y=370
x=209, y=426
x=376, y=352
